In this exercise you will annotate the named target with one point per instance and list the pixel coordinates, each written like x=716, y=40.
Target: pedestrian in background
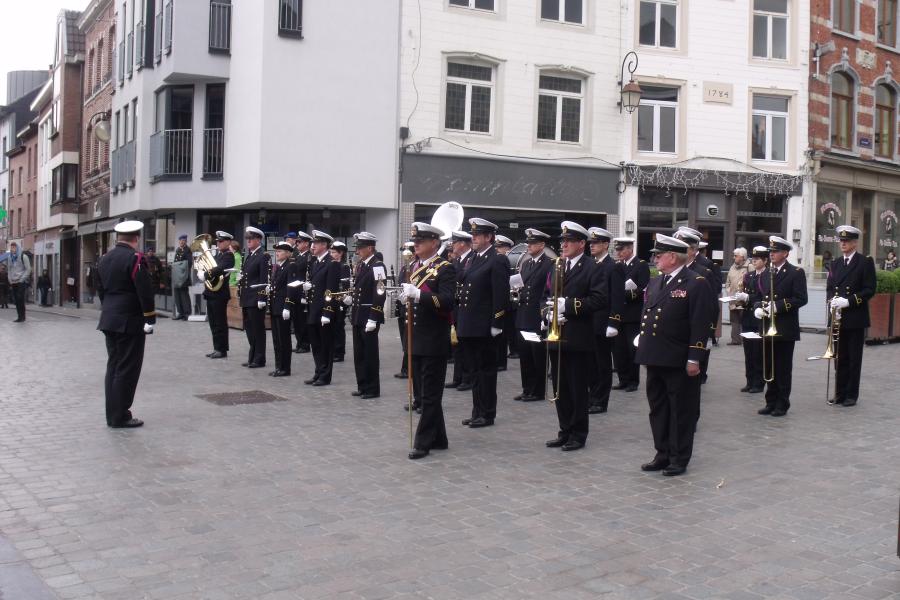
x=890, y=263
x=43, y=286
x=19, y=276
x=734, y=283
x=238, y=259
x=181, y=279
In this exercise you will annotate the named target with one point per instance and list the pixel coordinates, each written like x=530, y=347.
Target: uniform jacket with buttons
x=675, y=322
x=254, y=271
x=281, y=295
x=366, y=303
x=715, y=274
x=790, y=295
x=707, y=276
x=857, y=283
x=126, y=292
x=752, y=286
x=459, y=265
x=433, y=312
x=224, y=260
x=637, y=271
x=483, y=294
x=302, y=262
x=325, y=276
x=586, y=292
x=611, y=315
x=534, y=273
x=345, y=285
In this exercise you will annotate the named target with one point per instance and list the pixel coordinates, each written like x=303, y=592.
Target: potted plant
x=880, y=307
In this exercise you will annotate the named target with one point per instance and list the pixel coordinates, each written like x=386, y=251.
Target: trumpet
x=329, y=295
x=554, y=332
x=381, y=287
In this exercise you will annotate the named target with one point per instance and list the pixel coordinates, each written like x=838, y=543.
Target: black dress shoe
x=336, y=359
x=451, y=384
x=500, y=369
x=400, y=375
x=557, y=443
x=281, y=373
x=657, y=464
x=245, y=364
x=673, y=470
x=417, y=454
x=302, y=350
x=512, y=355
x=758, y=390
x=309, y=381
x=746, y=388
x=256, y=365
x=835, y=401
x=218, y=354
x=849, y=402
x=440, y=446
x=778, y=412
x=766, y=410
x=572, y=445
x=369, y=396
x=467, y=422
x=320, y=383
x=356, y=393
x=519, y=397
x=532, y=398
x=620, y=386
x=464, y=387
x=480, y=422
x=631, y=388
x=594, y=409
x=210, y=354
x=130, y=423
x=19, y=321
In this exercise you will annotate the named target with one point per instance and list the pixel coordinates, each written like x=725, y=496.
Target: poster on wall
x=887, y=233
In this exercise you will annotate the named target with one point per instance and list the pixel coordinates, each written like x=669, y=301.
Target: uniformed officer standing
x=701, y=258
x=636, y=274
x=533, y=272
x=127, y=315
x=789, y=296
x=283, y=299
x=484, y=294
x=584, y=294
x=507, y=344
x=339, y=255
x=463, y=365
x=431, y=289
x=367, y=315
x=607, y=321
x=324, y=276
x=697, y=262
x=750, y=296
x=851, y=282
x=253, y=296
x=671, y=344
x=406, y=255
x=298, y=314
x=217, y=302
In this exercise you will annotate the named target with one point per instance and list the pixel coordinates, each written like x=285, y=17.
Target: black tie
x=846, y=262
x=667, y=280
x=568, y=267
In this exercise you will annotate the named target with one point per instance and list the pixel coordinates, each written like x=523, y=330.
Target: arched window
x=885, y=124
x=842, y=110
x=89, y=77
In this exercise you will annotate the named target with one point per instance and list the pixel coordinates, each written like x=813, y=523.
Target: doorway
x=714, y=235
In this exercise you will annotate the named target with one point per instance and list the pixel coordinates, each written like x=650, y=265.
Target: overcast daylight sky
x=26, y=34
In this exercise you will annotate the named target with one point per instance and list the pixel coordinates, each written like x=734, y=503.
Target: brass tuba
x=206, y=261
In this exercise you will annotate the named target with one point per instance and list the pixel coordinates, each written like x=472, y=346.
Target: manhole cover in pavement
x=235, y=398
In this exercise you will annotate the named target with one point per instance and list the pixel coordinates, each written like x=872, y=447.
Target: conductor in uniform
x=783, y=304
x=607, y=321
x=671, y=344
x=584, y=294
x=298, y=315
x=431, y=288
x=532, y=281
x=284, y=299
x=484, y=295
x=324, y=276
x=253, y=296
x=635, y=272
x=367, y=315
x=127, y=316
x=217, y=301
x=463, y=370
x=851, y=282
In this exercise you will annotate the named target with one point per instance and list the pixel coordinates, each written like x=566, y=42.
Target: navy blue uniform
x=283, y=297
x=298, y=315
x=532, y=355
x=610, y=316
x=217, y=302
x=367, y=305
x=254, y=272
x=325, y=276
x=629, y=371
x=753, y=363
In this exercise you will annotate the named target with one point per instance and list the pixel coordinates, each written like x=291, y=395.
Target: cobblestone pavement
x=314, y=497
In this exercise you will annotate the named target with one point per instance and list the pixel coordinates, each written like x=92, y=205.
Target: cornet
x=381, y=287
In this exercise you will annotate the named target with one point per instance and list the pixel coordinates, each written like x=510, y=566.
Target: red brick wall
x=24, y=198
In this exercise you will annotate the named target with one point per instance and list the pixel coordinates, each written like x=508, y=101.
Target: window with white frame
x=563, y=11
x=478, y=4
x=770, y=29
x=843, y=110
x=843, y=15
x=560, y=108
x=659, y=23
x=770, y=127
x=658, y=120
x=886, y=24
x=469, y=97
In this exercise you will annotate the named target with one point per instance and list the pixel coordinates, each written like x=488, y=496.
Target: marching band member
x=636, y=275
x=532, y=355
x=431, y=288
x=697, y=262
x=282, y=302
x=217, y=302
x=367, y=315
x=253, y=297
x=671, y=344
x=507, y=339
x=607, y=321
x=324, y=276
x=734, y=283
x=484, y=294
x=851, y=282
x=463, y=369
x=750, y=296
x=783, y=303
x=584, y=294
x=339, y=255
x=406, y=252
x=298, y=314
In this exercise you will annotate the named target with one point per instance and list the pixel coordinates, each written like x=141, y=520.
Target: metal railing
x=121, y=57
x=129, y=54
x=171, y=153
x=219, y=26
x=139, y=45
x=168, y=32
x=157, y=38
x=213, y=152
x=123, y=165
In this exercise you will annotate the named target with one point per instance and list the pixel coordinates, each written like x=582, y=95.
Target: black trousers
x=217, y=315
x=674, y=399
x=513, y=340
x=572, y=384
x=753, y=365
x=500, y=345
x=255, y=328
x=482, y=356
x=281, y=342
x=182, y=301
x=428, y=379
x=365, y=359
x=4, y=294
x=401, y=328
x=340, y=334
x=778, y=392
x=463, y=370
x=44, y=293
x=18, y=294
x=849, y=363
x=601, y=373
x=321, y=339
x=125, y=357
x=301, y=332
x=533, y=368
x=623, y=348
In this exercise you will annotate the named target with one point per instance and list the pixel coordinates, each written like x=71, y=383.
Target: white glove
x=561, y=305
x=543, y=326
x=637, y=340
x=201, y=275
x=561, y=319
x=348, y=299
x=630, y=285
x=304, y=301
x=148, y=328
x=307, y=286
x=742, y=296
x=611, y=332
x=410, y=292
x=325, y=321
x=760, y=313
x=370, y=326
x=261, y=304
x=495, y=331
x=286, y=315
x=839, y=302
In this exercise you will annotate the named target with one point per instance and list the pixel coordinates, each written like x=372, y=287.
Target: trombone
x=769, y=334
x=831, y=347
x=554, y=331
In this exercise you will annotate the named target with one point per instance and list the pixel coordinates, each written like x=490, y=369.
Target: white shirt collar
x=468, y=252
x=322, y=256
x=366, y=262
x=674, y=273
x=430, y=260
x=629, y=261
x=574, y=261
x=482, y=253
x=848, y=258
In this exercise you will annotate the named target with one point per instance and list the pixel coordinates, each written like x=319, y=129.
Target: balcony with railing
x=167, y=41
x=139, y=44
x=171, y=154
x=220, y=26
x=213, y=153
x=123, y=166
x=129, y=54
